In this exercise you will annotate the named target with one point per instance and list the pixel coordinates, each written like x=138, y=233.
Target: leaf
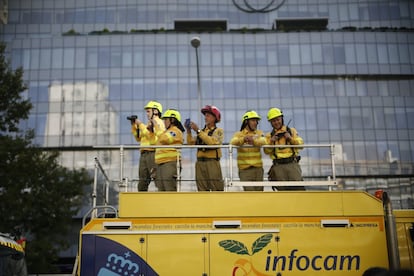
x=234, y=247
x=261, y=242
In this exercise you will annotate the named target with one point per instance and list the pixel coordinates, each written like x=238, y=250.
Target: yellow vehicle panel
x=404, y=220
x=246, y=233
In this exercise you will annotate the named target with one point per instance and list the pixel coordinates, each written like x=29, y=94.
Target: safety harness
x=199, y=141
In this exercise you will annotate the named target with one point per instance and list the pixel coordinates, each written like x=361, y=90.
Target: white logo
x=119, y=266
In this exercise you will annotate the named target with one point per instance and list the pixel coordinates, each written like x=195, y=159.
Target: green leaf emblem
x=234, y=247
x=240, y=249
x=261, y=243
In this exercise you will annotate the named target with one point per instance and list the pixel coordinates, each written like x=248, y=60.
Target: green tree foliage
x=38, y=197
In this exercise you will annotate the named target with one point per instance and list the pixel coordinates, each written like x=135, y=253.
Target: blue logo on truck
x=104, y=257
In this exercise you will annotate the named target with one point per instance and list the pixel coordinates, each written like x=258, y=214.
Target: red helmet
x=213, y=110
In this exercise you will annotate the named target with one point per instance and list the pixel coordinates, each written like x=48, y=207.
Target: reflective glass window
x=372, y=54
x=305, y=54
x=80, y=61
x=250, y=57
x=138, y=57
x=116, y=56
x=339, y=54
x=127, y=59
x=294, y=54
x=68, y=58
x=271, y=55
x=298, y=120
x=17, y=58
x=34, y=59
x=261, y=57
x=390, y=118
x=333, y=118
x=310, y=119
x=382, y=54
x=183, y=59
x=353, y=12
x=205, y=58
x=404, y=56
x=216, y=56
x=283, y=55
x=317, y=54
x=126, y=88
x=239, y=56
x=92, y=57
x=393, y=53
x=172, y=57
x=400, y=117
x=45, y=58
x=307, y=88
x=149, y=56
x=160, y=56
x=374, y=13
x=228, y=86
x=43, y=95
x=343, y=12
x=361, y=53
x=138, y=89
x=410, y=114
x=322, y=119
x=115, y=90
x=104, y=57
x=227, y=57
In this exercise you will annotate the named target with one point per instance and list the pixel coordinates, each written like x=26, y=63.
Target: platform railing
x=229, y=179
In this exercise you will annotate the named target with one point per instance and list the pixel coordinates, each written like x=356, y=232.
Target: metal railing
x=229, y=181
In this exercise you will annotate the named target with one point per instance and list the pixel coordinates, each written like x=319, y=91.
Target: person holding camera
x=145, y=135
x=285, y=160
x=249, y=159
x=207, y=169
x=168, y=160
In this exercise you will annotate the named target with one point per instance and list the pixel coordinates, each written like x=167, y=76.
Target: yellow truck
x=245, y=233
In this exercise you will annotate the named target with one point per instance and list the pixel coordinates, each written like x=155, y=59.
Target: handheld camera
x=132, y=118
x=280, y=135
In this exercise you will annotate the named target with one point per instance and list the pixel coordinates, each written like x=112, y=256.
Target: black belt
x=286, y=160
x=202, y=159
x=146, y=151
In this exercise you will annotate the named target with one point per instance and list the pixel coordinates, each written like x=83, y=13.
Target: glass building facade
x=90, y=63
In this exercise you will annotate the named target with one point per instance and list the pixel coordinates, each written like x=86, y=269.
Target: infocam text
x=295, y=261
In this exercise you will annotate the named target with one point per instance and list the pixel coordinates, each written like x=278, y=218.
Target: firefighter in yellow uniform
x=249, y=157
x=285, y=160
x=168, y=160
x=208, y=170
x=144, y=134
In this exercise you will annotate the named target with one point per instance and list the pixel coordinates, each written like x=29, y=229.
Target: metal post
x=95, y=184
x=231, y=163
x=195, y=42
x=178, y=171
x=121, y=165
x=332, y=148
x=391, y=233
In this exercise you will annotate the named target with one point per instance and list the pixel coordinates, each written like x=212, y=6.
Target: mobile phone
x=187, y=122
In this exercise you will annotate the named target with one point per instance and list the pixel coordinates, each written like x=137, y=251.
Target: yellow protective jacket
x=216, y=138
x=283, y=152
x=146, y=137
x=248, y=155
x=170, y=136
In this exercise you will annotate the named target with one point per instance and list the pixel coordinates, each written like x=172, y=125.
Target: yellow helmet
x=251, y=114
x=273, y=113
x=172, y=113
x=153, y=104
